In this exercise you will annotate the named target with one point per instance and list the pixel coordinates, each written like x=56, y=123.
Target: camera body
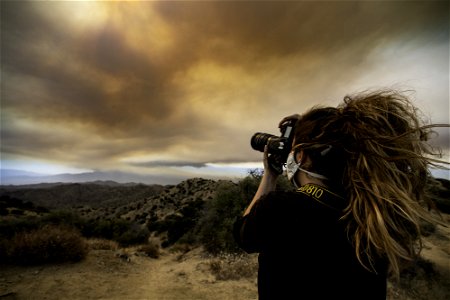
x=278, y=146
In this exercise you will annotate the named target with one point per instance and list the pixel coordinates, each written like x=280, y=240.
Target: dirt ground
x=105, y=274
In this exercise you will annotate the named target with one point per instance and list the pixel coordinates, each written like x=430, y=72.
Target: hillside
x=152, y=207
x=69, y=195
x=165, y=212
x=169, y=216
x=144, y=203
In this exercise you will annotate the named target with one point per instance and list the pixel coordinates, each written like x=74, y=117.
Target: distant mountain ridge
x=101, y=193
x=19, y=177
x=93, y=194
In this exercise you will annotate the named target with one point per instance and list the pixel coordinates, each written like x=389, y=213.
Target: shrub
x=98, y=229
x=11, y=226
x=420, y=280
x=102, y=244
x=216, y=225
x=234, y=267
x=64, y=218
x=47, y=245
x=4, y=249
x=131, y=236
x=179, y=226
x=215, y=229
x=150, y=249
x=124, y=232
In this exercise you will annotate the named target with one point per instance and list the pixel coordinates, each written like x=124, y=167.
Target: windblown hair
x=378, y=159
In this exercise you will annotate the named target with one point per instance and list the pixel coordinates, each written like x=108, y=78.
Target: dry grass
x=234, y=267
x=150, y=249
x=420, y=281
x=102, y=244
x=46, y=245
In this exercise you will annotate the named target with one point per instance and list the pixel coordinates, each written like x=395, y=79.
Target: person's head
x=371, y=148
x=380, y=131
x=317, y=145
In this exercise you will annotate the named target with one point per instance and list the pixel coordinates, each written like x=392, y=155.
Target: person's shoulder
x=283, y=194
x=282, y=197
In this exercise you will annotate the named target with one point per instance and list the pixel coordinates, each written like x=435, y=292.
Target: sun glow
x=86, y=14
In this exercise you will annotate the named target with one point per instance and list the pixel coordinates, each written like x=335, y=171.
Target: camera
x=278, y=146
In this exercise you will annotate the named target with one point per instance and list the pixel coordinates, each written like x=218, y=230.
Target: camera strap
x=322, y=195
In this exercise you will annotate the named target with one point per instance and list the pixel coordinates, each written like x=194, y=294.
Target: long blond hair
x=373, y=148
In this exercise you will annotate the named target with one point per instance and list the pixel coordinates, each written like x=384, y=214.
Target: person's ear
x=299, y=156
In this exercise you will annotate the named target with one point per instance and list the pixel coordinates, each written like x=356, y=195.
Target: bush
x=133, y=235
x=420, y=280
x=48, y=244
x=11, y=226
x=180, y=226
x=216, y=225
x=234, y=267
x=150, y=249
x=215, y=228
x=102, y=244
x=64, y=218
x=124, y=232
x=4, y=250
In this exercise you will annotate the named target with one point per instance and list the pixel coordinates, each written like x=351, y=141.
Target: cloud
x=154, y=164
x=160, y=83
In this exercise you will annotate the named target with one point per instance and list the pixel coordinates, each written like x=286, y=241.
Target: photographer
x=360, y=170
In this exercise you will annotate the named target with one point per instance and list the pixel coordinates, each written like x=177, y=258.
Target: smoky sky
x=114, y=85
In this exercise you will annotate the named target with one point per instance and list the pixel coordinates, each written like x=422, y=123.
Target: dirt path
x=104, y=275
x=175, y=276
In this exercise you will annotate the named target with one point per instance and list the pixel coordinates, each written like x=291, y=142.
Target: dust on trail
x=104, y=275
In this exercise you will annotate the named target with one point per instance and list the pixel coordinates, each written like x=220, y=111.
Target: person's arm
x=267, y=184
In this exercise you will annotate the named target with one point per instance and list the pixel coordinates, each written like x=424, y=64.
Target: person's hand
x=268, y=170
x=294, y=117
x=267, y=184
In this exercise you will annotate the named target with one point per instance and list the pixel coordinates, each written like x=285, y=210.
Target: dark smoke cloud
x=154, y=164
x=193, y=78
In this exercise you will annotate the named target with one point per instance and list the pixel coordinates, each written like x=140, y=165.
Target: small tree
x=217, y=223
x=215, y=229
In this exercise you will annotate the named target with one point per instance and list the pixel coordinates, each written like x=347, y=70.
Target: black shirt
x=304, y=252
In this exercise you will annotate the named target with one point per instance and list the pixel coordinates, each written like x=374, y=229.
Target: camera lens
x=259, y=140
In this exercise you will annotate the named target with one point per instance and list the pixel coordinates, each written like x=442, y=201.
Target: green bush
x=179, y=226
x=48, y=244
x=216, y=225
x=133, y=235
x=215, y=228
x=124, y=232
x=64, y=218
x=10, y=226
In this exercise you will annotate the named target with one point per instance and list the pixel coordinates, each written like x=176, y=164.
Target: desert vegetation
x=48, y=244
x=196, y=214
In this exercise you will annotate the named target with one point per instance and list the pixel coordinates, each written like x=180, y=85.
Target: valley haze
x=19, y=177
